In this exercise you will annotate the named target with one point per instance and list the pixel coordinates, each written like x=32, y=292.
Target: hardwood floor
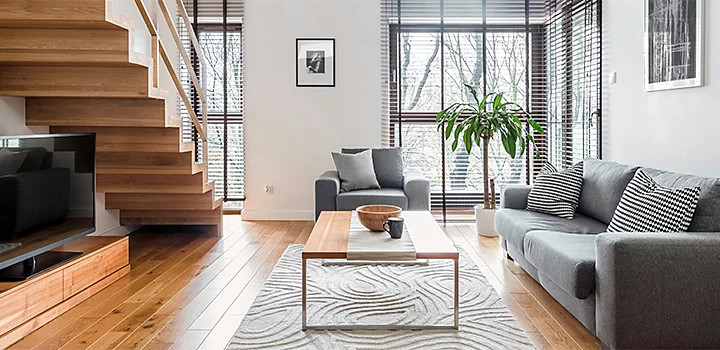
x=190, y=291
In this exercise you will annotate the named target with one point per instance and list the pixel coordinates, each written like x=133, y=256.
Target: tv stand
x=35, y=265
x=67, y=276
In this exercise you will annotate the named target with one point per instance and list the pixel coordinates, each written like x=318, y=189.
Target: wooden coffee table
x=329, y=240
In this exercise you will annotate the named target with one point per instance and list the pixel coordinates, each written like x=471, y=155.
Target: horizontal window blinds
x=211, y=11
x=572, y=49
x=438, y=46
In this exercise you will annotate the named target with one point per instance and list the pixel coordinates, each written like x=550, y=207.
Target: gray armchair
x=413, y=195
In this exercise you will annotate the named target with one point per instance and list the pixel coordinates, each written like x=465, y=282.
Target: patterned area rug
x=377, y=294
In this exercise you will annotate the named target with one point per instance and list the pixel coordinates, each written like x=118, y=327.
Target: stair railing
x=158, y=48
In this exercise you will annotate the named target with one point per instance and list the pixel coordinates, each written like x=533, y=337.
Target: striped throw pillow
x=646, y=206
x=557, y=192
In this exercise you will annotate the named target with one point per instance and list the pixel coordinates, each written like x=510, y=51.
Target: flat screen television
x=47, y=199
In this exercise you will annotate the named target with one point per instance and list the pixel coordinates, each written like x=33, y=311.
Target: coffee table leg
x=304, y=294
x=457, y=293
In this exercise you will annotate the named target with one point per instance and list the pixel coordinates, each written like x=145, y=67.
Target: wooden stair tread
x=160, y=201
x=64, y=111
x=148, y=163
x=171, y=217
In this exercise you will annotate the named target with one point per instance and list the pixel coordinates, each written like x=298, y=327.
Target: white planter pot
x=485, y=221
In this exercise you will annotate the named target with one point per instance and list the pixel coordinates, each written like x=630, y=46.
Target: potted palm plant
x=477, y=123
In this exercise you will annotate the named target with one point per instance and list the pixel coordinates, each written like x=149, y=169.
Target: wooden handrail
x=181, y=48
x=193, y=37
x=200, y=127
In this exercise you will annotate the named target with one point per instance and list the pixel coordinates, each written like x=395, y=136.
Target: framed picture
x=673, y=44
x=315, y=62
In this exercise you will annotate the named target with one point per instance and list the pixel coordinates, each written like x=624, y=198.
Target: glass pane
x=420, y=72
x=463, y=65
x=507, y=66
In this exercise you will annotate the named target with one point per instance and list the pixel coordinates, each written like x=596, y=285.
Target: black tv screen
x=47, y=193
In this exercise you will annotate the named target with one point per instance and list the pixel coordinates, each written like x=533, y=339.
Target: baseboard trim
x=267, y=215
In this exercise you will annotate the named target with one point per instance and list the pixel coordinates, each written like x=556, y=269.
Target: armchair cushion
x=387, y=196
x=356, y=171
x=388, y=164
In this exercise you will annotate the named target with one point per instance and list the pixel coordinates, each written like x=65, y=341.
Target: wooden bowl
x=373, y=216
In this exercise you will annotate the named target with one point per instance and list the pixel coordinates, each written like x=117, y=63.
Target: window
x=438, y=46
x=222, y=45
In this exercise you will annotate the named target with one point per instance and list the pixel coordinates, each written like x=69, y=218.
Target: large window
x=507, y=46
x=221, y=41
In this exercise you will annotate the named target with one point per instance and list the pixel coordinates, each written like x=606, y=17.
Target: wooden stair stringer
x=145, y=169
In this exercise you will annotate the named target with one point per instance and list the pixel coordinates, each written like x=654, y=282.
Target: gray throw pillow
x=356, y=171
x=10, y=162
x=388, y=163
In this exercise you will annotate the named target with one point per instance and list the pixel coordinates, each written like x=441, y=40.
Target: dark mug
x=394, y=226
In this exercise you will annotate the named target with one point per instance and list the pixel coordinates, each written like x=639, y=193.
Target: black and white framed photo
x=673, y=44
x=315, y=62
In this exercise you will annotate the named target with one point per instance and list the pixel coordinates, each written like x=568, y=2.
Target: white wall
x=291, y=131
x=674, y=129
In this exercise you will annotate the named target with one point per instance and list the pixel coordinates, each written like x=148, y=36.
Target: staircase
x=74, y=62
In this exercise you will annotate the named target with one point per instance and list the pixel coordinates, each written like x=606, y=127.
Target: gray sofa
x=412, y=193
x=633, y=290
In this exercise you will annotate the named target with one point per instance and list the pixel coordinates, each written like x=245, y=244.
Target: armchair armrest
x=514, y=196
x=658, y=290
x=417, y=190
x=327, y=187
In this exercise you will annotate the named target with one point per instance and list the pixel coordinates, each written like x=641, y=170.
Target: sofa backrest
x=603, y=185
x=707, y=213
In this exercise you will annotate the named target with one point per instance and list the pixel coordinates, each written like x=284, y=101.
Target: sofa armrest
x=417, y=190
x=327, y=187
x=658, y=290
x=33, y=198
x=514, y=196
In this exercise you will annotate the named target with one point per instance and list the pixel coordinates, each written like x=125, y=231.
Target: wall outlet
x=268, y=189
x=612, y=78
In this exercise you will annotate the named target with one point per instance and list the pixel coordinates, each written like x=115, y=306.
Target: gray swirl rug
x=387, y=294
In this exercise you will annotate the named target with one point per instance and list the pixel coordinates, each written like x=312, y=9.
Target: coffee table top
x=329, y=237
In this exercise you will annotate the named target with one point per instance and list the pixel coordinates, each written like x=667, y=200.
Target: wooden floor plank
x=189, y=291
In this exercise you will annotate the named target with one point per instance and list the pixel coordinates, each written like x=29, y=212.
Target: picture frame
x=674, y=44
x=315, y=62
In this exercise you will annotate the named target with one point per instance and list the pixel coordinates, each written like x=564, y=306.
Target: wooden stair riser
x=103, y=82
x=122, y=183
x=147, y=163
x=62, y=47
x=140, y=201
x=97, y=112
x=152, y=140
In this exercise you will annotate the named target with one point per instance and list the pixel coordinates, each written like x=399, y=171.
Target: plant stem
x=486, y=175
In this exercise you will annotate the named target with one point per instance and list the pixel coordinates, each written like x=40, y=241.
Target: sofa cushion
x=707, y=213
x=567, y=259
x=387, y=196
x=11, y=161
x=38, y=158
x=648, y=207
x=603, y=185
x=556, y=192
x=514, y=224
x=388, y=163
x=356, y=171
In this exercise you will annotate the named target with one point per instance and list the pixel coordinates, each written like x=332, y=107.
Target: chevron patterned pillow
x=646, y=206
x=557, y=192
